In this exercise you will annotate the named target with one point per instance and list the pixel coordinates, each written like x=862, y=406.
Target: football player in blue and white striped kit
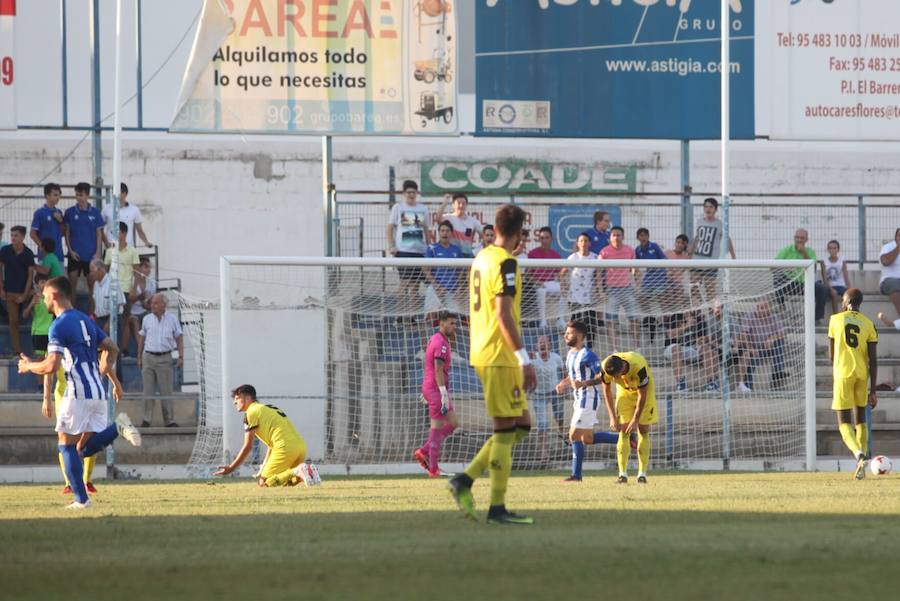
x=582, y=365
x=87, y=354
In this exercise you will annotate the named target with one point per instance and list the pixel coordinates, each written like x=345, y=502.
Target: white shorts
x=77, y=416
x=688, y=353
x=584, y=418
x=435, y=303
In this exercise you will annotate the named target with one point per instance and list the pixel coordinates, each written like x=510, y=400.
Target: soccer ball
x=880, y=465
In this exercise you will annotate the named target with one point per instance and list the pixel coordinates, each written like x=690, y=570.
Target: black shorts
x=705, y=273
x=39, y=342
x=409, y=274
x=83, y=267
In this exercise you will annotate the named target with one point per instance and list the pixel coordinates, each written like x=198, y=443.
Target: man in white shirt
x=890, y=277
x=159, y=336
x=408, y=236
x=465, y=226
x=130, y=215
x=549, y=368
x=101, y=294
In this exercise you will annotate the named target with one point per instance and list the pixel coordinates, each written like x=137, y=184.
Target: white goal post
x=335, y=340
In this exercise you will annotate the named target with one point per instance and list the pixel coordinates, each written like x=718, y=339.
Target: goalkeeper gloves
x=445, y=400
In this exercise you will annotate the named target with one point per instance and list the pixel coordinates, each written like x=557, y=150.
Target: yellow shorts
x=850, y=393
x=626, y=403
x=284, y=458
x=504, y=390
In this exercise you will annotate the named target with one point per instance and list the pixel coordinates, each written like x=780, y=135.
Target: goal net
x=339, y=345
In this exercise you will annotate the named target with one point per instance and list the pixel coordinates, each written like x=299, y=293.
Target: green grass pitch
x=769, y=536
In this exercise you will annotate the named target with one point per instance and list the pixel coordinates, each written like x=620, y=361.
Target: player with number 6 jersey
x=852, y=348
x=284, y=464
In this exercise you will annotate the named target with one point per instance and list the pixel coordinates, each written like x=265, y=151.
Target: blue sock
x=606, y=437
x=100, y=441
x=74, y=471
x=577, y=458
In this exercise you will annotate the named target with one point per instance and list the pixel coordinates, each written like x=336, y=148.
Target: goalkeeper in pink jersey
x=436, y=393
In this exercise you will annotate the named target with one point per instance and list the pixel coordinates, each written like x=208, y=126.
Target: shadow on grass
x=439, y=555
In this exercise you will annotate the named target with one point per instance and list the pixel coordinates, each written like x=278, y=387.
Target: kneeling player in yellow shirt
x=284, y=463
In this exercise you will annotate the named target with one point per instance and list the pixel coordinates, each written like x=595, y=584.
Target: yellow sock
x=480, y=462
x=862, y=437
x=643, y=452
x=285, y=478
x=89, y=463
x=62, y=466
x=849, y=437
x=501, y=465
x=623, y=452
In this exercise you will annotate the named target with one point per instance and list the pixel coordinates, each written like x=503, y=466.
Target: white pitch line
x=607, y=46
x=640, y=26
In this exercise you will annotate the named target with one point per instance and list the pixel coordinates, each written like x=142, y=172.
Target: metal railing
x=761, y=223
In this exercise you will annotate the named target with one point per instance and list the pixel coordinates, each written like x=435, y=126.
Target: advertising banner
x=611, y=68
x=381, y=67
x=508, y=176
x=835, y=70
x=7, y=65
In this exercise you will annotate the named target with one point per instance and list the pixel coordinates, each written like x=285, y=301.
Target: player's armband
x=643, y=378
x=508, y=270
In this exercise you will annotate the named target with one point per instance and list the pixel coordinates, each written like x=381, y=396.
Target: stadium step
x=28, y=446
x=24, y=410
x=129, y=374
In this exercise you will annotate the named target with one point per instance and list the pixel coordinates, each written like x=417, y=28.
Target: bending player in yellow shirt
x=852, y=349
x=57, y=391
x=284, y=463
x=634, y=409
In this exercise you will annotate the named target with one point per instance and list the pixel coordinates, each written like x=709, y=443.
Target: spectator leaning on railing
x=792, y=283
x=159, y=336
x=130, y=215
x=582, y=287
x=84, y=236
x=890, y=278
x=620, y=287
x=546, y=281
x=465, y=226
x=18, y=273
x=47, y=221
x=445, y=283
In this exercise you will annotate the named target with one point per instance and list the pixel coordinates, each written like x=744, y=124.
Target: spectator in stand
x=50, y=264
x=128, y=258
x=487, y=238
x=707, y=244
x=549, y=368
x=620, y=288
x=654, y=287
x=685, y=333
x=445, y=290
x=48, y=221
x=408, y=237
x=792, y=282
x=582, y=288
x=102, y=293
x=890, y=278
x=2, y=229
x=546, y=281
x=835, y=276
x=522, y=248
x=159, y=336
x=41, y=319
x=18, y=273
x=678, y=252
x=765, y=334
x=130, y=215
x=84, y=237
x=599, y=234
x=139, y=299
x=737, y=354
x=465, y=226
